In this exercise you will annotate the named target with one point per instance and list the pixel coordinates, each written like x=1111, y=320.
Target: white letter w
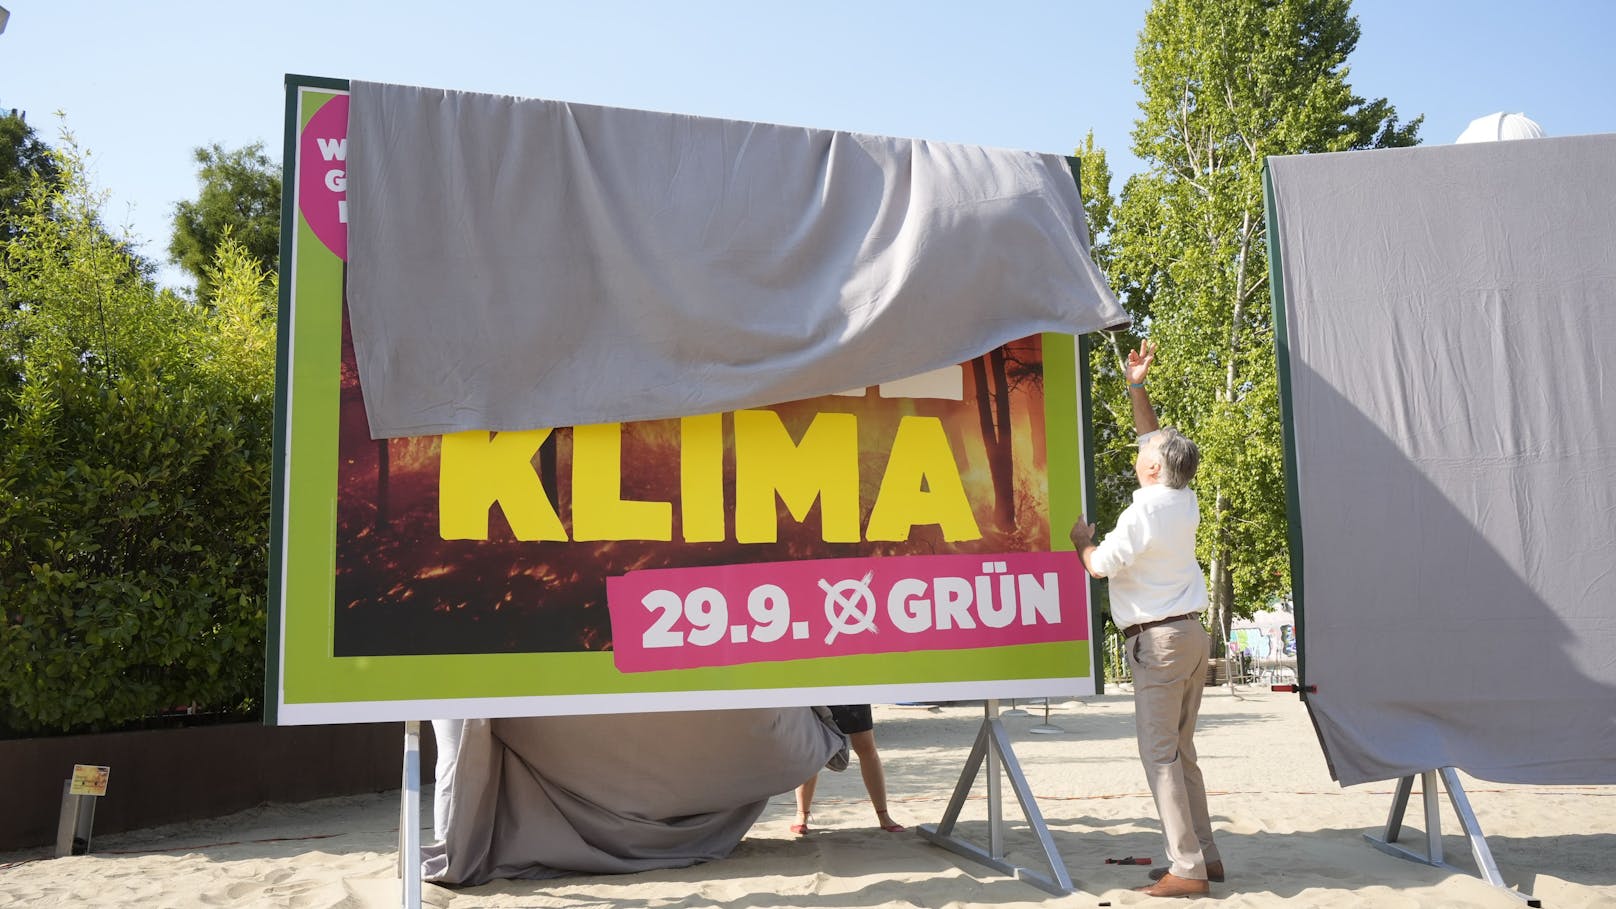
x=334, y=148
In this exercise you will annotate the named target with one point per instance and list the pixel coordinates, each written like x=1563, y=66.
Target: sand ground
x=1288, y=834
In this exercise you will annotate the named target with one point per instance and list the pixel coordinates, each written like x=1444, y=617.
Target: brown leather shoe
x=1173, y=885
x=1214, y=872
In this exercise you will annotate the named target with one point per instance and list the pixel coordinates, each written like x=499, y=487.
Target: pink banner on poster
x=689, y=618
x=322, y=175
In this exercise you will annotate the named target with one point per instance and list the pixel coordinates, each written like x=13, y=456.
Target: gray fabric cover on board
x=521, y=263
x=1451, y=316
x=538, y=797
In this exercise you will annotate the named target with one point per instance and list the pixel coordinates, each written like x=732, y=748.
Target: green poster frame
x=1287, y=421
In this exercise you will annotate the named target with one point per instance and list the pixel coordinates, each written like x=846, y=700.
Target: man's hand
x=1139, y=362
x=1083, y=542
x=1135, y=370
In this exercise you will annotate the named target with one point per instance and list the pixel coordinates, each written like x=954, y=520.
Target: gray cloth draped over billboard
x=1450, y=315
x=538, y=797
x=522, y=263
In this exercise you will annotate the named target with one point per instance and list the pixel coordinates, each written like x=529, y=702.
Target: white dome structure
x=1500, y=126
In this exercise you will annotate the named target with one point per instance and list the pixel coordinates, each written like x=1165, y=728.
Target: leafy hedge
x=135, y=435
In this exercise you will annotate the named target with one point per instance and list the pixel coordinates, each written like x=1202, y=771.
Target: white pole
x=409, y=817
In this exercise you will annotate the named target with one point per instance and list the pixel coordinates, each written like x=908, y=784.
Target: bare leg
x=805, y=801
x=875, y=780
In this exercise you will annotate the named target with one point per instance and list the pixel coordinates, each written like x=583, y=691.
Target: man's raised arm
x=1135, y=370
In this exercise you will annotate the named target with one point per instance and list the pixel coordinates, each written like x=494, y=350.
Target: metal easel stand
x=409, y=817
x=1433, y=828
x=993, y=746
x=1046, y=727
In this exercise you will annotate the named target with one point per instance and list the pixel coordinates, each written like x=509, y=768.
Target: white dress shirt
x=1150, y=557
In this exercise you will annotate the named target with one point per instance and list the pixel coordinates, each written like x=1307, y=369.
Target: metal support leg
x=1433, y=828
x=1472, y=828
x=1433, y=817
x=1046, y=727
x=409, y=817
x=993, y=748
x=1394, y=819
x=995, y=795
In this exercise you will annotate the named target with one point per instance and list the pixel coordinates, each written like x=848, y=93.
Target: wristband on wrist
x=1136, y=385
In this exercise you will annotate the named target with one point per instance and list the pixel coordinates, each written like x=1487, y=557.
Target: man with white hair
x=1157, y=595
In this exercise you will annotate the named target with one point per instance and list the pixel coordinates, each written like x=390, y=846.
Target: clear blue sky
x=142, y=84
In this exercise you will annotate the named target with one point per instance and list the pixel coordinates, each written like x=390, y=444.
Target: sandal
x=885, y=822
x=802, y=828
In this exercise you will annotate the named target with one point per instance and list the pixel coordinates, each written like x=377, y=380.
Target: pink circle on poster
x=322, y=175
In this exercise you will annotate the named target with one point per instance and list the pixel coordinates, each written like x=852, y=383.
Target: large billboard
x=896, y=542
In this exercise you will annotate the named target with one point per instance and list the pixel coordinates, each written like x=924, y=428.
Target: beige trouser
x=1169, y=671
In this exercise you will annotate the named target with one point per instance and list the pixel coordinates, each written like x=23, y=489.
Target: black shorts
x=851, y=718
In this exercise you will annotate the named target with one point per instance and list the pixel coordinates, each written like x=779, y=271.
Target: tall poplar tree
x=1112, y=424
x=1226, y=84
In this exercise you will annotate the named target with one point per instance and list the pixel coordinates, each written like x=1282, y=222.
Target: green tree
x=1112, y=423
x=134, y=475
x=23, y=158
x=241, y=198
x=1226, y=84
x=29, y=175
